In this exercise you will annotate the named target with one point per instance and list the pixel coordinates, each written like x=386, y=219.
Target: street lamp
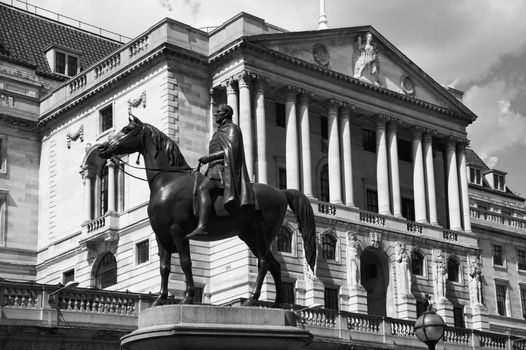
x=430, y=327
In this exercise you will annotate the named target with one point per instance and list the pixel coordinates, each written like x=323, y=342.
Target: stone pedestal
x=357, y=300
x=479, y=317
x=406, y=307
x=180, y=327
x=445, y=309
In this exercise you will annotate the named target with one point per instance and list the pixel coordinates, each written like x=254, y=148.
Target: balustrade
x=318, y=318
x=98, y=302
x=107, y=65
x=139, y=45
x=402, y=328
x=449, y=235
x=77, y=83
x=413, y=227
x=498, y=218
x=493, y=341
x=364, y=323
x=372, y=218
x=326, y=208
x=457, y=335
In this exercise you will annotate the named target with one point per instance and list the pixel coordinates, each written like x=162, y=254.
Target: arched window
x=453, y=270
x=324, y=183
x=285, y=240
x=102, y=203
x=328, y=247
x=106, y=274
x=417, y=263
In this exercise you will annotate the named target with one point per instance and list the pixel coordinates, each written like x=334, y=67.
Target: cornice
x=28, y=125
x=245, y=47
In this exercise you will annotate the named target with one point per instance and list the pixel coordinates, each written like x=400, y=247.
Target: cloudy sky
x=477, y=46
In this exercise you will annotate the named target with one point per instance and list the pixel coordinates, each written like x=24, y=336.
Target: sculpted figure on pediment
x=440, y=275
x=403, y=274
x=475, y=281
x=366, y=60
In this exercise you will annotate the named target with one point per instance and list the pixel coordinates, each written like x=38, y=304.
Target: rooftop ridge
x=46, y=15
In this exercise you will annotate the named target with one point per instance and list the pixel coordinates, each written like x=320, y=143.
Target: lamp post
x=430, y=327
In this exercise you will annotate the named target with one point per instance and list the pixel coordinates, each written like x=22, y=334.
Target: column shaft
x=231, y=99
x=419, y=191
x=430, y=178
x=345, y=128
x=261, y=132
x=305, y=144
x=291, y=151
x=335, y=182
x=87, y=197
x=245, y=121
x=382, y=171
x=211, y=117
x=452, y=187
x=463, y=177
x=392, y=140
x=111, y=186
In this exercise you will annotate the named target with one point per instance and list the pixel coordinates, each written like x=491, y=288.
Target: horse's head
x=128, y=140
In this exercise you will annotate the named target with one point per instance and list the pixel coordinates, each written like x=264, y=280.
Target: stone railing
x=50, y=306
x=449, y=235
x=372, y=218
x=414, y=227
x=107, y=65
x=498, y=218
x=102, y=228
x=326, y=208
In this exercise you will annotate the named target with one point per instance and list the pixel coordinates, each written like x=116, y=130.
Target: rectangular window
x=498, y=182
x=523, y=301
x=282, y=178
x=106, y=118
x=405, y=151
x=408, y=209
x=474, y=176
x=369, y=140
x=3, y=217
x=497, y=255
x=288, y=292
x=60, y=63
x=421, y=306
x=458, y=317
x=280, y=115
x=143, y=252
x=198, y=298
x=371, y=199
x=521, y=259
x=331, y=298
x=72, y=65
x=324, y=127
x=3, y=155
x=68, y=276
x=500, y=292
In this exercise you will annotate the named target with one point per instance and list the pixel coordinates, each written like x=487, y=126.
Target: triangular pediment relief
x=362, y=53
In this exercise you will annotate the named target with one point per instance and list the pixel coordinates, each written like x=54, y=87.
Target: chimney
x=322, y=23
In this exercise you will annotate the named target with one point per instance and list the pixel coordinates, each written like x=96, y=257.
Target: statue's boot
x=205, y=209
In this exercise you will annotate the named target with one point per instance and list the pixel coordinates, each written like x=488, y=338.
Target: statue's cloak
x=238, y=189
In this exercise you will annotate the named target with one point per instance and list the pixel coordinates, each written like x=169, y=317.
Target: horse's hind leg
x=183, y=247
x=262, y=269
x=164, y=260
x=275, y=270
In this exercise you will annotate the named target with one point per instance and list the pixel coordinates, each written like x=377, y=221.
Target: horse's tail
x=301, y=206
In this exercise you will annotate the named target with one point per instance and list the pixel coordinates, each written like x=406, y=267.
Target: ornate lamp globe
x=429, y=328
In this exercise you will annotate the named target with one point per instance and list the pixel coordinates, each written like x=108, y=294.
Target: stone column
x=211, y=118
x=231, y=98
x=345, y=129
x=111, y=186
x=335, y=182
x=120, y=186
x=291, y=142
x=463, y=177
x=452, y=185
x=261, y=131
x=245, y=119
x=392, y=140
x=419, y=190
x=305, y=142
x=430, y=178
x=87, y=178
x=382, y=169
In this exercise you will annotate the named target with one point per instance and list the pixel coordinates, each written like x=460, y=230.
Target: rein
x=121, y=164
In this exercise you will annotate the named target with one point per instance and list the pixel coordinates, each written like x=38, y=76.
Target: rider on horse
x=227, y=172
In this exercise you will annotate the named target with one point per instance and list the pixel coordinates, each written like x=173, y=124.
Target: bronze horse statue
x=171, y=213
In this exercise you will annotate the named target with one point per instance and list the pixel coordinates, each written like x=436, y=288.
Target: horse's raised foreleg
x=164, y=259
x=183, y=247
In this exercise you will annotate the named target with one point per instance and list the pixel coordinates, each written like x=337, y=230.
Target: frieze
x=18, y=122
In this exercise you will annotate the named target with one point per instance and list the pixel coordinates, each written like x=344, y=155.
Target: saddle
x=219, y=208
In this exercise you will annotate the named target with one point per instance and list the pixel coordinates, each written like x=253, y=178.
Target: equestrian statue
x=184, y=204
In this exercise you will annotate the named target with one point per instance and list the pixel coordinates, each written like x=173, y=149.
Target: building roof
x=472, y=159
x=24, y=37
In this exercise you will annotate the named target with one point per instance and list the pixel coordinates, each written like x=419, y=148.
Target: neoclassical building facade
x=378, y=147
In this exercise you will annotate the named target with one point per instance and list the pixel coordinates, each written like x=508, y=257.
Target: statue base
x=181, y=327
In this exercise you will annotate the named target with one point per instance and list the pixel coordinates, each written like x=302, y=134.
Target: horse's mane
x=168, y=146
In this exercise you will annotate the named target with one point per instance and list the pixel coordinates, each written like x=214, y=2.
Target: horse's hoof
x=159, y=301
x=187, y=300
x=249, y=302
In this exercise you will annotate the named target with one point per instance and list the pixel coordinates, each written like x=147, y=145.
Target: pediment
x=362, y=53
